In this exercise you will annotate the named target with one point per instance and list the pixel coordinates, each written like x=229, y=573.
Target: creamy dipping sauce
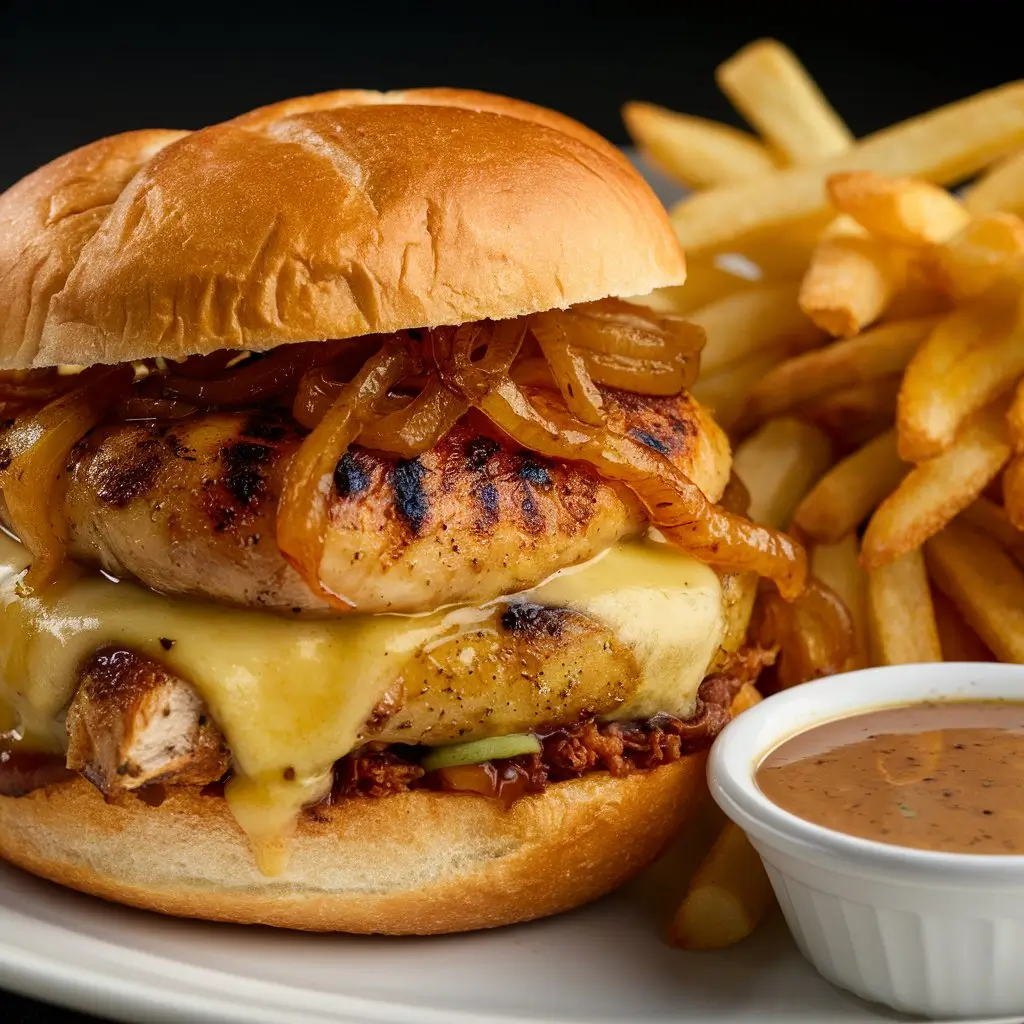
x=943, y=776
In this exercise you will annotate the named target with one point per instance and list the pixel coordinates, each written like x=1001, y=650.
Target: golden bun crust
x=419, y=863
x=327, y=216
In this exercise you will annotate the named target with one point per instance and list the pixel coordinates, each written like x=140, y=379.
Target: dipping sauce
x=936, y=776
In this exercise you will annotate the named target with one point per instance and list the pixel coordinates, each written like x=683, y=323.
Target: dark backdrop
x=70, y=73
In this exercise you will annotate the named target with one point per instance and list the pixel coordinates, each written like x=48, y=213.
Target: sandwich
x=367, y=564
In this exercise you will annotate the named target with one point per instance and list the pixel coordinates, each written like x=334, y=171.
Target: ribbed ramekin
x=936, y=934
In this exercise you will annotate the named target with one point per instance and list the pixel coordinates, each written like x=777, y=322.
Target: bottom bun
x=417, y=863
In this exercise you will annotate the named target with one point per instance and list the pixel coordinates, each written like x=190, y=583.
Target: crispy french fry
x=985, y=585
x=1001, y=187
x=771, y=88
x=934, y=492
x=695, y=151
x=987, y=252
x=904, y=210
x=991, y=519
x=836, y=565
x=846, y=495
x=958, y=640
x=748, y=322
x=850, y=283
x=1015, y=420
x=901, y=617
x=746, y=698
x=853, y=415
x=708, y=278
x=880, y=352
x=943, y=146
x=727, y=898
x=724, y=393
x=967, y=361
x=778, y=464
x=1013, y=491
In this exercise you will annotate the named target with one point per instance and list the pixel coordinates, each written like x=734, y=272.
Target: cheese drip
x=291, y=696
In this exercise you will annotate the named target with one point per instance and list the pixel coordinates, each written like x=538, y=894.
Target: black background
x=70, y=73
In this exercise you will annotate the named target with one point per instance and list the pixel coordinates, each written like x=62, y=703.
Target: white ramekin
x=936, y=934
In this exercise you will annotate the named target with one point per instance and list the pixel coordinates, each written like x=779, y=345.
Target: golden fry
x=724, y=393
x=778, y=464
x=746, y=323
x=853, y=415
x=837, y=566
x=846, y=495
x=877, y=353
x=904, y=210
x=901, y=617
x=943, y=146
x=991, y=519
x=771, y=88
x=985, y=585
x=707, y=280
x=967, y=361
x=1001, y=187
x=987, y=252
x=1015, y=419
x=697, y=152
x=958, y=640
x=727, y=898
x=849, y=284
x=746, y=698
x=1013, y=491
x=933, y=492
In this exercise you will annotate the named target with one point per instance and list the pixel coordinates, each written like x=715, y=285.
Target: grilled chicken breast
x=189, y=507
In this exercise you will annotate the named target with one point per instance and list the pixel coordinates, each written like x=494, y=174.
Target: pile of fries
x=866, y=353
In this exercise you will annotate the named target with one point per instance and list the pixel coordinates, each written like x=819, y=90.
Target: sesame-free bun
x=329, y=216
x=417, y=863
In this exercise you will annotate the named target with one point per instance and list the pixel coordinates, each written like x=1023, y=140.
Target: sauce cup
x=928, y=933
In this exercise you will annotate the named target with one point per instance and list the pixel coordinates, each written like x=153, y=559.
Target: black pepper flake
x=167, y=643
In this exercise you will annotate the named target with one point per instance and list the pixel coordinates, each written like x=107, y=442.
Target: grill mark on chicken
x=526, y=618
x=181, y=506
x=652, y=442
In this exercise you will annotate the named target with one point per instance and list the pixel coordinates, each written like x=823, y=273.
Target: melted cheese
x=292, y=695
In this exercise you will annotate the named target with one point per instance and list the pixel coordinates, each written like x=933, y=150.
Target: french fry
x=879, y=352
x=727, y=897
x=943, y=146
x=959, y=642
x=991, y=519
x=853, y=415
x=846, y=495
x=771, y=88
x=778, y=464
x=1001, y=187
x=836, y=565
x=1015, y=420
x=850, y=283
x=904, y=210
x=987, y=252
x=707, y=280
x=694, y=151
x=934, y=492
x=748, y=322
x=1013, y=491
x=745, y=698
x=985, y=585
x=725, y=393
x=901, y=617
x=967, y=361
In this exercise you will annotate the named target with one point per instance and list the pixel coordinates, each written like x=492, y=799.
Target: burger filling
x=474, y=559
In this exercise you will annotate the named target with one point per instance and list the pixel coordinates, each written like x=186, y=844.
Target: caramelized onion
x=36, y=453
x=454, y=352
x=674, y=503
x=302, y=508
x=642, y=376
x=416, y=428
x=253, y=381
x=317, y=391
x=568, y=367
x=143, y=407
x=814, y=633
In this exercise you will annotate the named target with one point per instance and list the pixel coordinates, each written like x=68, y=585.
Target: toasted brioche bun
x=330, y=216
x=418, y=863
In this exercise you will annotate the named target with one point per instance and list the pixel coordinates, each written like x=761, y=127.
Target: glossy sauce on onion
x=943, y=776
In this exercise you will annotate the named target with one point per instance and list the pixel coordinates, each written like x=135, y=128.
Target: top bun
x=328, y=216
